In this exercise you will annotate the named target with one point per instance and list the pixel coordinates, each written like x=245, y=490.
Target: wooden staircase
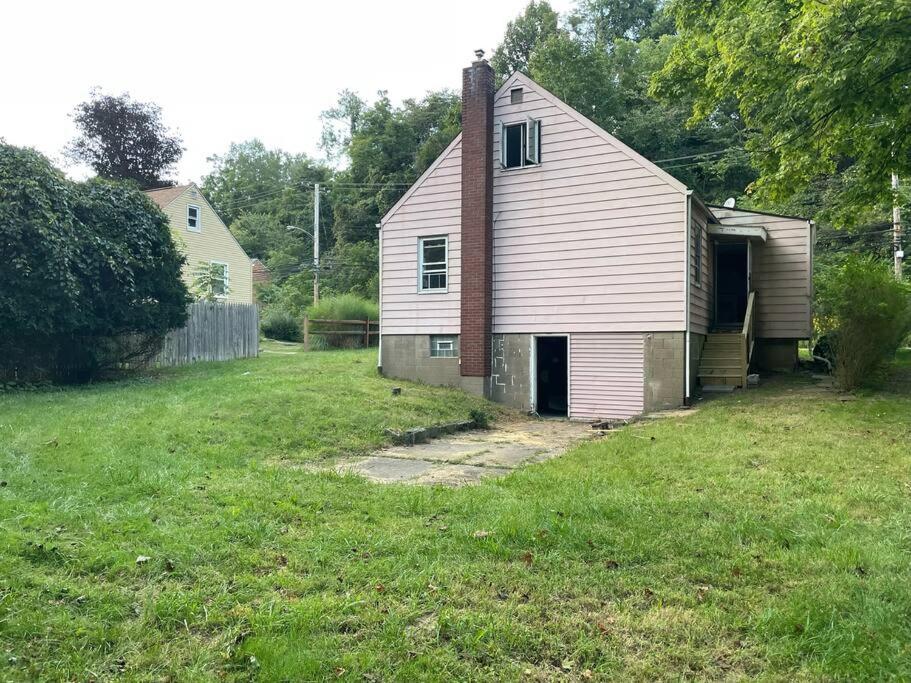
x=726, y=355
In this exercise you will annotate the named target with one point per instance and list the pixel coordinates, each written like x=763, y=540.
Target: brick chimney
x=477, y=218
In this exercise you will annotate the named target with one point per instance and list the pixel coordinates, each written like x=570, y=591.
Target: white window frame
x=444, y=270
x=439, y=340
x=198, y=227
x=697, y=258
x=531, y=143
x=226, y=279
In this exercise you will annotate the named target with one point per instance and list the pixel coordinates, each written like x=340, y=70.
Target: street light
x=294, y=228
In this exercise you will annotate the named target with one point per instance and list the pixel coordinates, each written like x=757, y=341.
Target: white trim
x=687, y=337
x=379, y=345
x=750, y=232
x=533, y=371
x=227, y=278
x=432, y=290
x=198, y=227
x=519, y=77
x=420, y=181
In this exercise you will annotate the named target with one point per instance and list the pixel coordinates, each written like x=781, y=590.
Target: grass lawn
x=768, y=534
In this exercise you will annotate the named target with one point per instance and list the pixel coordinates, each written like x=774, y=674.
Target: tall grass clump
x=281, y=325
x=864, y=313
x=343, y=307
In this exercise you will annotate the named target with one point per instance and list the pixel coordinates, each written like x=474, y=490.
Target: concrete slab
x=387, y=470
x=458, y=475
x=507, y=455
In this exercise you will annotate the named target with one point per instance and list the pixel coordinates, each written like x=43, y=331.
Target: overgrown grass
x=765, y=535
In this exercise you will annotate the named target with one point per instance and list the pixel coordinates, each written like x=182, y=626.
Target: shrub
x=344, y=307
x=91, y=276
x=281, y=325
x=864, y=313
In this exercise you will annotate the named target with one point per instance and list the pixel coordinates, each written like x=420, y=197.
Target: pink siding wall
x=607, y=376
x=701, y=295
x=434, y=208
x=588, y=241
x=782, y=273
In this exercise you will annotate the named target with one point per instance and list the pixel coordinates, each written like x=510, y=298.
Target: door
x=551, y=376
x=732, y=283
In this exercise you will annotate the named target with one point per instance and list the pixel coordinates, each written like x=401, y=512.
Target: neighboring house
x=541, y=262
x=261, y=273
x=205, y=240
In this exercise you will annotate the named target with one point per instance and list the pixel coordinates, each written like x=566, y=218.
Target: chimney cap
x=479, y=54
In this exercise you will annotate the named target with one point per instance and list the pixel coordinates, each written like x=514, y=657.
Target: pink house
x=542, y=263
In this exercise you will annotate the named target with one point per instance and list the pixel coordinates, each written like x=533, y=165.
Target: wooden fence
x=347, y=333
x=214, y=331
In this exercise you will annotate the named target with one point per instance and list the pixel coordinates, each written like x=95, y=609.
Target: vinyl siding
x=591, y=240
x=433, y=208
x=701, y=295
x=606, y=376
x=214, y=243
x=782, y=273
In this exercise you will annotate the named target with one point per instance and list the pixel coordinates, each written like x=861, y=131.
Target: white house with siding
x=541, y=262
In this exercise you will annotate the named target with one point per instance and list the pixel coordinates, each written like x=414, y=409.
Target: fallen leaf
x=142, y=559
x=481, y=534
x=527, y=558
x=567, y=665
x=587, y=674
x=701, y=592
x=380, y=588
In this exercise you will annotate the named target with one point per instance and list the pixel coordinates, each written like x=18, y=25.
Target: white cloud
x=225, y=71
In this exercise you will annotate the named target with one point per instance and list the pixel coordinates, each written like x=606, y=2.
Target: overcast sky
x=226, y=72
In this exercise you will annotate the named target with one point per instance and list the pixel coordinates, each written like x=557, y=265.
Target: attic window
x=194, y=224
x=520, y=144
x=515, y=96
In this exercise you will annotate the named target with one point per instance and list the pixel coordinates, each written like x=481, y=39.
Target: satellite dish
x=729, y=203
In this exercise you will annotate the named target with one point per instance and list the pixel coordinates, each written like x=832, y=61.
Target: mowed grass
x=766, y=535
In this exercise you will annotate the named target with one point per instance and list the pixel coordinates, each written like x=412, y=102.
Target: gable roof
x=165, y=195
x=520, y=78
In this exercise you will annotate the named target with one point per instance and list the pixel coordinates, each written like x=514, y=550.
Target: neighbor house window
x=515, y=96
x=697, y=261
x=520, y=144
x=194, y=224
x=432, y=255
x=219, y=278
x=443, y=346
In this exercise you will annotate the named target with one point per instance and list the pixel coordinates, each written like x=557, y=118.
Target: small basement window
x=520, y=144
x=433, y=264
x=443, y=346
x=193, y=222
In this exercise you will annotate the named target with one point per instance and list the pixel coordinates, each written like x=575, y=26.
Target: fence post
x=306, y=332
x=367, y=333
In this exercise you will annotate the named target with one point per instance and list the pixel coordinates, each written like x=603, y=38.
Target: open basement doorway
x=551, y=376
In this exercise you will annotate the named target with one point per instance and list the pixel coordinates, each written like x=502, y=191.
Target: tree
x=523, y=35
x=92, y=277
x=823, y=85
x=123, y=139
x=604, y=21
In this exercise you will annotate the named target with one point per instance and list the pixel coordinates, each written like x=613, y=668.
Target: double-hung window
x=194, y=222
x=433, y=263
x=520, y=144
x=219, y=279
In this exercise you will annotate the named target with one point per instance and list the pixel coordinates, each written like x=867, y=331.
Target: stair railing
x=747, y=336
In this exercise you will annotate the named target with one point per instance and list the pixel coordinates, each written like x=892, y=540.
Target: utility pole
x=316, y=243
x=896, y=228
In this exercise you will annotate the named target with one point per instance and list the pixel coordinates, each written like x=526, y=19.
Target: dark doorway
x=731, y=284
x=552, y=368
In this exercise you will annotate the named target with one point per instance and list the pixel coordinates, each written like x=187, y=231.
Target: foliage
x=92, y=277
x=281, y=325
x=209, y=281
x=523, y=35
x=865, y=314
x=823, y=86
x=293, y=294
x=605, y=21
x=344, y=307
x=780, y=552
x=124, y=139
x=351, y=268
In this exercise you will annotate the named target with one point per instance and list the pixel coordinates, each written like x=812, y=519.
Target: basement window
x=443, y=346
x=433, y=263
x=193, y=222
x=520, y=144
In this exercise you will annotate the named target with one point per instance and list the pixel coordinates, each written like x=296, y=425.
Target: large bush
x=281, y=325
x=344, y=307
x=91, y=277
x=865, y=313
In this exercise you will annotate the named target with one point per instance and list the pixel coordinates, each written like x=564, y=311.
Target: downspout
x=379, y=345
x=686, y=299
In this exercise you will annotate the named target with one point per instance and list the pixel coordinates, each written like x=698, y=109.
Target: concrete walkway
x=468, y=457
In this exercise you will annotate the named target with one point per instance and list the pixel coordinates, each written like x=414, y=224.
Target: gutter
x=686, y=299
x=379, y=345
